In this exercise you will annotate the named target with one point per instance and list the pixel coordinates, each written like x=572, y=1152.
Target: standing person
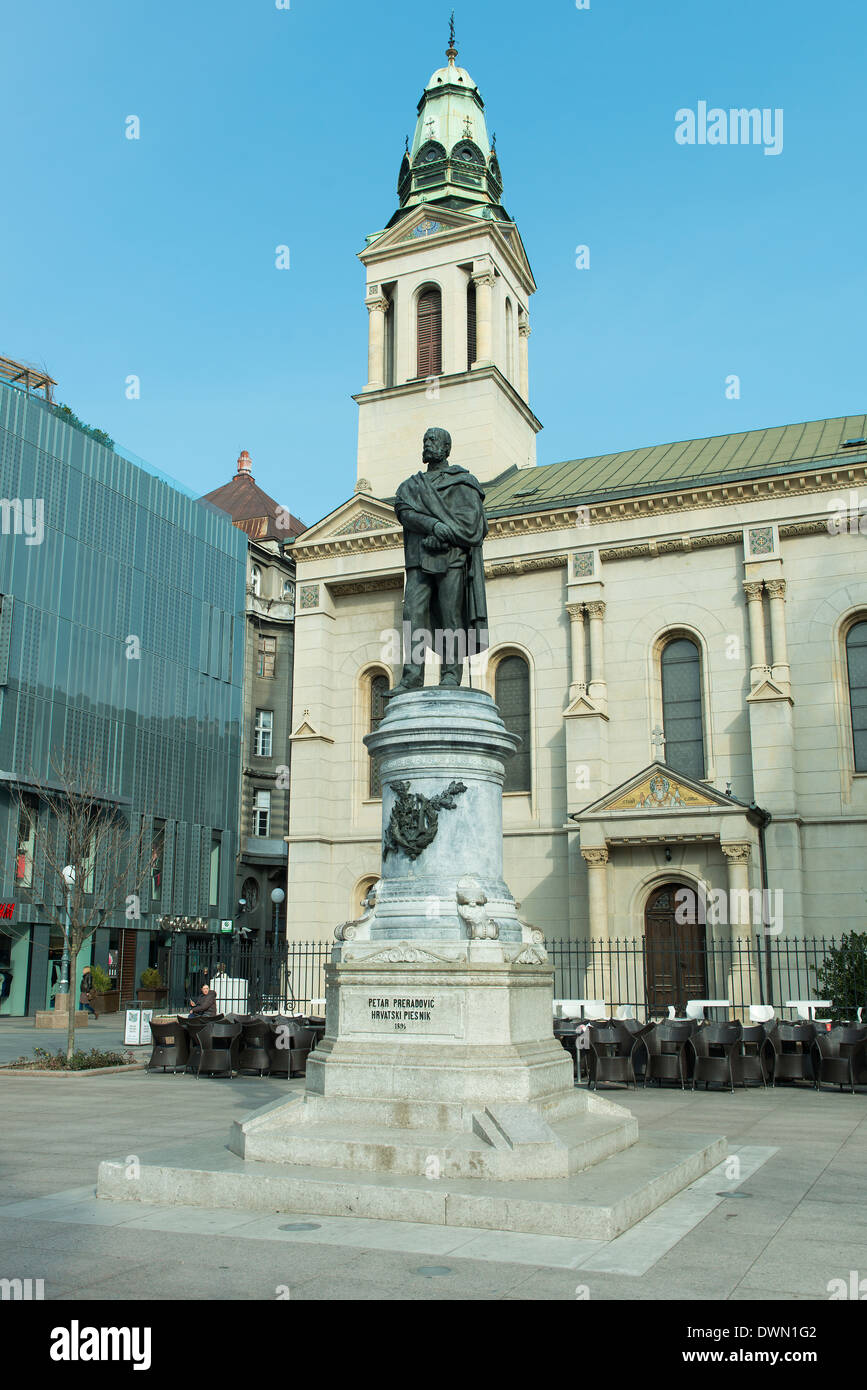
x=85, y=994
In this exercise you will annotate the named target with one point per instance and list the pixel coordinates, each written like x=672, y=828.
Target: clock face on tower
x=427, y=228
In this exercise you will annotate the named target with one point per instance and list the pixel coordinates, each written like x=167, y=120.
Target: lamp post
x=277, y=897
x=68, y=874
x=278, y=966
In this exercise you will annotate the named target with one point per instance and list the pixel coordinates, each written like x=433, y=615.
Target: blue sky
x=263, y=126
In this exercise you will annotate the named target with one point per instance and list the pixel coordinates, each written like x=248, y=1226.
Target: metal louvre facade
x=121, y=649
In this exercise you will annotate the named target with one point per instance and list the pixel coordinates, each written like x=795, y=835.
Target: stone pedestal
x=438, y=1092
x=58, y=1017
x=438, y=1045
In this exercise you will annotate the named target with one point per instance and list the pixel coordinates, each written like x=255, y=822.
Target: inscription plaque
x=404, y=1012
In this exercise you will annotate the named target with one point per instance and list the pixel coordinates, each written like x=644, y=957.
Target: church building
x=678, y=632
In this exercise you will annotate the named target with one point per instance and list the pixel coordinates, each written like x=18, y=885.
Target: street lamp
x=277, y=897
x=68, y=875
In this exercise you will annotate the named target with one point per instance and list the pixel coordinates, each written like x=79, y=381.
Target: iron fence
x=649, y=974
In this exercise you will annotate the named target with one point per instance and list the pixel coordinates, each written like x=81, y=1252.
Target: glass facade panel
x=125, y=656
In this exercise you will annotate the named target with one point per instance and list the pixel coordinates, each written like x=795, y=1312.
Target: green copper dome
x=451, y=160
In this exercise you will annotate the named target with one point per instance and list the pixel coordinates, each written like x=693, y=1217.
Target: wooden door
x=674, y=952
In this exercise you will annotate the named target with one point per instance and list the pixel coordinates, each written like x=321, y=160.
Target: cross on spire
x=451, y=51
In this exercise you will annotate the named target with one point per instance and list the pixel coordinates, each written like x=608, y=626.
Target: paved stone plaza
x=801, y=1222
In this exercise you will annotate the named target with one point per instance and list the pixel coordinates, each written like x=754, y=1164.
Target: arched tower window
x=377, y=706
x=471, y=324
x=429, y=332
x=510, y=340
x=856, y=666
x=681, y=707
x=512, y=697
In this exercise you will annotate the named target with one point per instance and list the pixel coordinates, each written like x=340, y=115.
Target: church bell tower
x=448, y=293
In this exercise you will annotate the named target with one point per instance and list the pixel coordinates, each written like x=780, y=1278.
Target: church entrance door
x=675, y=959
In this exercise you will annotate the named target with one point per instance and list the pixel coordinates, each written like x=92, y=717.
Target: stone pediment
x=430, y=222
x=659, y=788
x=361, y=515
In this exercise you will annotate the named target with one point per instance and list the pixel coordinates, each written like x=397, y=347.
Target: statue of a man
x=442, y=512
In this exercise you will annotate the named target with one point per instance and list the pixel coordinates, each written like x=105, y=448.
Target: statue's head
x=437, y=446
x=470, y=892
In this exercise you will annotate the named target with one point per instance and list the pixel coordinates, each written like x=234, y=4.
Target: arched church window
x=681, y=707
x=379, y=685
x=856, y=665
x=510, y=340
x=471, y=324
x=512, y=696
x=429, y=320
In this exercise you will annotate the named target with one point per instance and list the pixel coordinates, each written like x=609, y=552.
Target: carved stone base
x=440, y=1054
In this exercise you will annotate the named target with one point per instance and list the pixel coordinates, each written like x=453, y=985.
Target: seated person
x=205, y=1006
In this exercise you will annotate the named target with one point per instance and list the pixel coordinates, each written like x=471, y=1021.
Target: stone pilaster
x=376, y=309
x=759, y=668
x=598, y=686
x=524, y=331
x=780, y=654
x=484, y=284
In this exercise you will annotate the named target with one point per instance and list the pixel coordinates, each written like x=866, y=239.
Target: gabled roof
x=661, y=467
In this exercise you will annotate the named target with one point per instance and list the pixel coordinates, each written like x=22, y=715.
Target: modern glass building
x=121, y=649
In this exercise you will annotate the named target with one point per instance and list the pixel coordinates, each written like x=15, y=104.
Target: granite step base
x=597, y=1204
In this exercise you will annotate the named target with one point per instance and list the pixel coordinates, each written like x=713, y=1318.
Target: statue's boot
x=412, y=678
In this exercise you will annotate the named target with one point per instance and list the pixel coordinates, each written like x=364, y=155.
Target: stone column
x=598, y=687
x=376, y=343
x=780, y=655
x=576, y=632
x=484, y=284
x=597, y=892
x=743, y=977
x=755, y=611
x=524, y=331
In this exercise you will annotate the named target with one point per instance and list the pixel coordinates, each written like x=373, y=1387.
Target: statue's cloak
x=451, y=495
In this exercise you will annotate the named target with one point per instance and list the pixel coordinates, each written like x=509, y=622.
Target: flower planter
x=152, y=997
x=107, y=1003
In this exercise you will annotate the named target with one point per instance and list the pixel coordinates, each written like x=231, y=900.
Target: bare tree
x=89, y=859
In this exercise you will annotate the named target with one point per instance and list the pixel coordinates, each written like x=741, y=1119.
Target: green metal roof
x=697, y=462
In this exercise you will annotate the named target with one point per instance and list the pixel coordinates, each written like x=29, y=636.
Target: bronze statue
x=442, y=512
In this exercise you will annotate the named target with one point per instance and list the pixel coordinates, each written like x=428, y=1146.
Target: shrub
x=842, y=976
x=43, y=1060
x=102, y=982
x=151, y=979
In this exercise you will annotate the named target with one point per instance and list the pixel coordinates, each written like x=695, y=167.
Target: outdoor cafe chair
x=752, y=1063
x=719, y=1065
x=290, y=1042
x=253, y=1053
x=192, y=1029
x=218, y=1048
x=791, y=1045
x=667, y=1056
x=171, y=1047
x=610, y=1051
x=840, y=1057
